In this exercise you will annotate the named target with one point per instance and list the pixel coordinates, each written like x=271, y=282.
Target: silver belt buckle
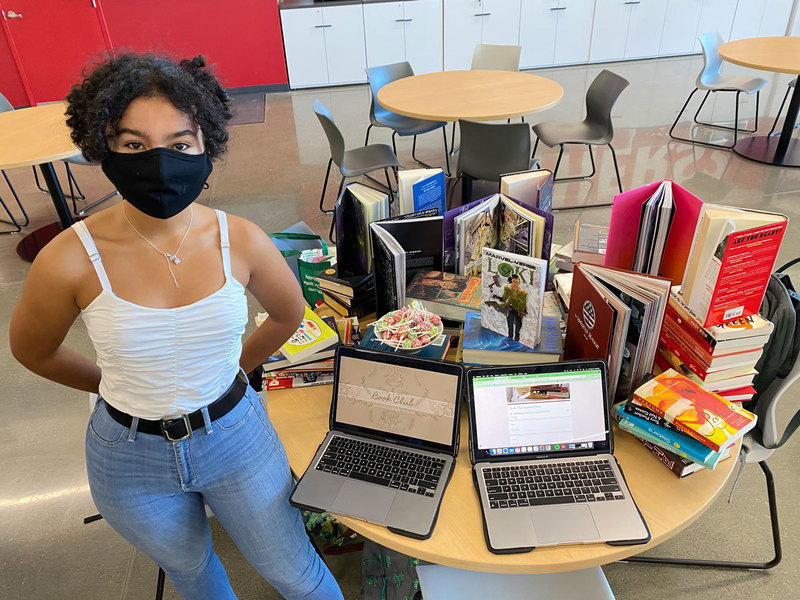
x=186, y=422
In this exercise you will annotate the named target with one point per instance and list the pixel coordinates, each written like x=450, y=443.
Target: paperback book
x=314, y=340
x=481, y=346
x=420, y=189
x=512, y=293
x=448, y=295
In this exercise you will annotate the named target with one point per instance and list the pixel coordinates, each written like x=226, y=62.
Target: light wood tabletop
x=31, y=136
x=470, y=95
x=776, y=54
x=668, y=504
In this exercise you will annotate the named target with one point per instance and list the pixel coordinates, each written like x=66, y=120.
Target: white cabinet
x=324, y=45
x=471, y=22
x=757, y=18
x=554, y=32
x=716, y=15
x=409, y=30
x=680, y=26
x=626, y=29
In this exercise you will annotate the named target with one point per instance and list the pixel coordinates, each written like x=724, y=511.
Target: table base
x=762, y=149
x=32, y=243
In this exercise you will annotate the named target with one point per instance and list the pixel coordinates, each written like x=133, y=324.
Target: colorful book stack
x=721, y=358
x=675, y=414
x=348, y=295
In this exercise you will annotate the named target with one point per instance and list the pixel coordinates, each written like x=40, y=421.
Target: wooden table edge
x=725, y=48
x=38, y=161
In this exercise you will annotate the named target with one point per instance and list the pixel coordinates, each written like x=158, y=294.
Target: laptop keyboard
x=551, y=483
x=390, y=467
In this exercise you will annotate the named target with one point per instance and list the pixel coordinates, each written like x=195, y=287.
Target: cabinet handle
x=403, y=20
x=560, y=8
x=482, y=14
x=634, y=2
x=322, y=26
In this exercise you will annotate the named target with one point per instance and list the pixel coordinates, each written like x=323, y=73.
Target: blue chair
x=402, y=126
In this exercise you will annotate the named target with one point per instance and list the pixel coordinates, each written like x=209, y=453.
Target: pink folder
x=624, y=229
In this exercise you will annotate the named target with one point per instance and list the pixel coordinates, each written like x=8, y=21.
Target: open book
x=420, y=189
x=357, y=207
x=732, y=257
x=534, y=187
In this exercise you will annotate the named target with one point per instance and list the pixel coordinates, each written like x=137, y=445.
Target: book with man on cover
x=512, y=292
x=496, y=221
x=698, y=413
x=481, y=346
x=448, y=295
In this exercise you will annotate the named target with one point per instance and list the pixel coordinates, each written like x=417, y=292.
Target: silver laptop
x=542, y=454
x=392, y=444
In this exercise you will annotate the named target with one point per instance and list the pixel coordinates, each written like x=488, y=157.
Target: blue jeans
x=151, y=492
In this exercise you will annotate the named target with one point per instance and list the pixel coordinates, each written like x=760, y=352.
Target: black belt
x=181, y=427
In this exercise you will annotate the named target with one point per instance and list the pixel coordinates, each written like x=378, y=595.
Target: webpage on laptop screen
x=539, y=412
x=385, y=397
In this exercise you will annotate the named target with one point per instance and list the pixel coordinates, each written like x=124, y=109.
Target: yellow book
x=312, y=336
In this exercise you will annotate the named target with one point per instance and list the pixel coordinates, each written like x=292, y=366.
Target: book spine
x=681, y=427
x=696, y=343
x=674, y=442
x=675, y=463
x=680, y=312
x=647, y=414
x=694, y=364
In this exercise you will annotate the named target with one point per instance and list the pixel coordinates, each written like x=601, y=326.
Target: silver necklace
x=170, y=258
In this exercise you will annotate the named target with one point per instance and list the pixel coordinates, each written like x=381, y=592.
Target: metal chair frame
x=780, y=110
x=13, y=220
x=736, y=129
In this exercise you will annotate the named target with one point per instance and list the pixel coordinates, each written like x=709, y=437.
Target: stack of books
x=684, y=421
x=588, y=245
x=721, y=358
x=348, y=295
x=306, y=358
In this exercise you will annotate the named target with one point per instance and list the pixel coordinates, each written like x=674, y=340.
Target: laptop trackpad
x=366, y=501
x=564, y=524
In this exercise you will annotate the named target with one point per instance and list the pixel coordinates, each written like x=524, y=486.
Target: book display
x=421, y=189
x=512, y=292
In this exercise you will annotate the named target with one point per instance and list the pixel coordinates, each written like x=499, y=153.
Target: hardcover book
x=733, y=255
x=421, y=189
x=345, y=285
x=437, y=349
x=512, y=293
x=448, y=295
x=533, y=188
x=705, y=416
x=665, y=360
x=481, y=346
x=357, y=207
x=682, y=467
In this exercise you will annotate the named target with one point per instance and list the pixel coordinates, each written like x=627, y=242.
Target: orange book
x=703, y=415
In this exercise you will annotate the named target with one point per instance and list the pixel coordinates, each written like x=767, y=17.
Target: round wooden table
x=668, y=504
x=38, y=136
x=779, y=55
x=470, y=95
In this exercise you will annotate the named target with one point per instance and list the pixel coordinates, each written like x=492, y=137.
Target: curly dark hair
x=96, y=105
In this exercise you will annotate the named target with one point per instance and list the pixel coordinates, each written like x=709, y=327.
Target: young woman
x=160, y=283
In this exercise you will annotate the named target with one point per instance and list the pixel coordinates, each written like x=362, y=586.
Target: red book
x=699, y=351
x=590, y=321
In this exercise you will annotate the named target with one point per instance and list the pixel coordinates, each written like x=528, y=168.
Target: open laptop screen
x=552, y=410
x=413, y=401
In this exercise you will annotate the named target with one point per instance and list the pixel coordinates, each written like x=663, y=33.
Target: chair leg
x=324, y=187
x=719, y=564
x=389, y=186
x=736, y=124
x=19, y=204
x=576, y=177
x=616, y=166
x=535, y=145
x=366, y=139
x=394, y=145
x=453, y=147
x=735, y=129
x=160, y=584
x=446, y=153
x=778, y=116
x=699, y=108
x=414, y=154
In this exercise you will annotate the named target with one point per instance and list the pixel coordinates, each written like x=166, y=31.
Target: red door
x=54, y=40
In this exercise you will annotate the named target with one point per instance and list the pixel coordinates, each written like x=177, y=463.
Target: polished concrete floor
x=273, y=175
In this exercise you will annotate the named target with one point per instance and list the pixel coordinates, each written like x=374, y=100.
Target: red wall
x=11, y=86
x=242, y=38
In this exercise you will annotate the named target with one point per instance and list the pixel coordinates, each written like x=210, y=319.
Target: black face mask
x=160, y=182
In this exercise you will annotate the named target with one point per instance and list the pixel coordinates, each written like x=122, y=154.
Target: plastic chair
x=488, y=150
x=6, y=106
x=595, y=130
x=789, y=89
x=402, y=126
x=490, y=57
x=711, y=80
x=757, y=447
x=438, y=582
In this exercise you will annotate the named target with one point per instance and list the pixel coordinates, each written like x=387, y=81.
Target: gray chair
x=490, y=57
x=489, y=150
x=789, y=89
x=711, y=80
x=352, y=163
x=595, y=130
x=6, y=106
x=400, y=125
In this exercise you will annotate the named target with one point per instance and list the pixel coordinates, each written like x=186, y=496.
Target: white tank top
x=162, y=362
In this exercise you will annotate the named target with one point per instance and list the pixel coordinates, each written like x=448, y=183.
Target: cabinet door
x=344, y=44
x=423, y=35
x=462, y=32
x=537, y=34
x=680, y=26
x=610, y=30
x=501, y=22
x=747, y=20
x=383, y=32
x=304, y=43
x=645, y=27
x=574, y=32
x=775, y=19
x=717, y=15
